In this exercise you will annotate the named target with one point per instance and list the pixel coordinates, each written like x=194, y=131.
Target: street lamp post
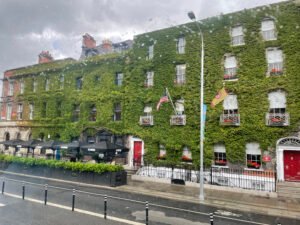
x=192, y=16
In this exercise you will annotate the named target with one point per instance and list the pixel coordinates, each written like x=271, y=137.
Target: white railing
x=230, y=119
x=179, y=120
x=146, y=120
x=277, y=119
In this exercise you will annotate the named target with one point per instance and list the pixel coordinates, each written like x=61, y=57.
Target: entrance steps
x=288, y=190
x=130, y=172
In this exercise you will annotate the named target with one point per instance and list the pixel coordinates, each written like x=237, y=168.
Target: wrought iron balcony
x=146, y=120
x=277, y=119
x=230, y=119
x=178, y=120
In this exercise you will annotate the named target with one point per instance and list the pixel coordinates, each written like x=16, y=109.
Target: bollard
x=147, y=212
x=211, y=217
x=3, y=186
x=46, y=194
x=73, y=200
x=23, y=191
x=105, y=206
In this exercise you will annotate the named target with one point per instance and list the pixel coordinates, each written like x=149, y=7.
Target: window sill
x=217, y=166
x=250, y=169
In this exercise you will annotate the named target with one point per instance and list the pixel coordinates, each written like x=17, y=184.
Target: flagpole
x=167, y=91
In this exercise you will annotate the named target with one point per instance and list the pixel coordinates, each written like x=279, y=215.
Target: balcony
x=178, y=120
x=230, y=73
x=146, y=120
x=277, y=119
x=230, y=119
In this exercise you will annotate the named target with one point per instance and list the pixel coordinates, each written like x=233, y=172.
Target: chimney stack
x=45, y=57
x=88, y=41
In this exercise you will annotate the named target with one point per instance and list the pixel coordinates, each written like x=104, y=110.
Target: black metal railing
x=222, y=176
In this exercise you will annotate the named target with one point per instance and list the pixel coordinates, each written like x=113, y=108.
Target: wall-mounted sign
x=91, y=149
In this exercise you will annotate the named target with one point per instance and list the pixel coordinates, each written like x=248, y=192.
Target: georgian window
x=34, y=85
x=22, y=85
x=8, y=111
x=275, y=61
x=220, y=155
x=61, y=82
x=147, y=118
x=79, y=81
x=237, y=36
x=253, y=155
x=230, y=68
x=180, y=74
x=150, y=52
x=268, y=30
x=180, y=45
x=119, y=79
x=277, y=115
x=20, y=111
x=31, y=111
x=179, y=106
x=186, y=154
x=44, y=109
x=93, y=113
x=162, y=152
x=230, y=114
x=47, y=84
x=76, y=112
x=59, y=109
x=117, y=112
x=11, y=88
x=149, y=79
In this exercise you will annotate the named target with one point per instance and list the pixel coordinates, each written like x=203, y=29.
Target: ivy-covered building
x=253, y=53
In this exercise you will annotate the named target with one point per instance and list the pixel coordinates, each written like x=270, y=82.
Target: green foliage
x=251, y=88
x=74, y=166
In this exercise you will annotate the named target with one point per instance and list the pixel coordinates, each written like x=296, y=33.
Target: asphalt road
x=131, y=207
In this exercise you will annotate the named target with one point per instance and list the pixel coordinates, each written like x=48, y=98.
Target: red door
x=137, y=153
x=292, y=165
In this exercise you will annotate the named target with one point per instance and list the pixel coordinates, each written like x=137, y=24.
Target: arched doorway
x=288, y=159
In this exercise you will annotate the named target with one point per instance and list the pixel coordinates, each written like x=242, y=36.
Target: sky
x=28, y=27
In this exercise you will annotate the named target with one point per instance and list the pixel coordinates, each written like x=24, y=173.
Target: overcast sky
x=29, y=26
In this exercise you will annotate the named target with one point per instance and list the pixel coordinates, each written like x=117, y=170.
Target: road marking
x=227, y=213
x=1, y=205
x=76, y=209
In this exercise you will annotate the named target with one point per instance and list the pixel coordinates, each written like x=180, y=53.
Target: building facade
x=253, y=54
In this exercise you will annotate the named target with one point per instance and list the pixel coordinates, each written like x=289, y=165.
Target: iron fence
x=222, y=176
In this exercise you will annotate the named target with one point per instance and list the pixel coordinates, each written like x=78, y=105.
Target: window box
x=276, y=72
x=220, y=162
x=277, y=119
x=254, y=165
x=146, y=120
x=186, y=158
x=230, y=119
x=178, y=120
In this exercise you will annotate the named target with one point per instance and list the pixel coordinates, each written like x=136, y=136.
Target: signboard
x=266, y=158
x=64, y=147
x=91, y=149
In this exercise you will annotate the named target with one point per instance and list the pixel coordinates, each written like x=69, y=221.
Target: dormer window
x=150, y=52
x=268, y=30
x=275, y=61
x=220, y=155
x=277, y=115
x=237, y=36
x=230, y=114
x=180, y=45
x=230, y=68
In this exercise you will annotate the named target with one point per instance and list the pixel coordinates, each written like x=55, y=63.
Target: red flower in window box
x=275, y=120
x=275, y=71
x=228, y=120
x=186, y=158
x=226, y=76
x=220, y=162
x=253, y=164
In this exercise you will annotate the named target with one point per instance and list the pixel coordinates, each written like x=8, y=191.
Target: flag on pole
x=219, y=97
x=163, y=99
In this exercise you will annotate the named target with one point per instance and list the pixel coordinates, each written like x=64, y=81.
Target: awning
x=49, y=145
x=13, y=143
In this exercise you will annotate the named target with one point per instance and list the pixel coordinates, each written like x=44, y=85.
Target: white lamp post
x=192, y=16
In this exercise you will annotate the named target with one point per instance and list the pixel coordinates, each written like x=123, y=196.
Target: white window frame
x=22, y=86
x=34, y=85
x=31, y=111
x=180, y=74
x=268, y=34
x=150, y=52
x=8, y=111
x=253, y=151
x=11, y=88
x=181, y=45
x=149, y=79
x=61, y=82
x=231, y=70
x=275, y=66
x=47, y=84
x=20, y=111
x=119, y=78
x=220, y=154
x=238, y=39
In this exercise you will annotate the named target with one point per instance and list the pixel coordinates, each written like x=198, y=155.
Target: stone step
x=289, y=190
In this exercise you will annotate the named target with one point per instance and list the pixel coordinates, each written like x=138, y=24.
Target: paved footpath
x=14, y=211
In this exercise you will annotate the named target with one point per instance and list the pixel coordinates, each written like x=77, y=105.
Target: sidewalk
x=265, y=203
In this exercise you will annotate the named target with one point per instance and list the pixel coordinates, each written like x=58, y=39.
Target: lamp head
x=191, y=15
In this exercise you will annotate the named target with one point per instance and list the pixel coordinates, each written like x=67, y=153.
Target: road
x=131, y=207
